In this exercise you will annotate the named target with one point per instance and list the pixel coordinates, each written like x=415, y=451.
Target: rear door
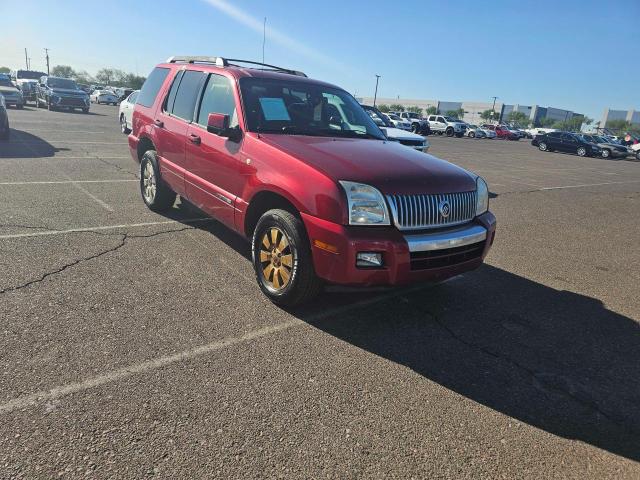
x=213, y=178
x=172, y=122
x=568, y=143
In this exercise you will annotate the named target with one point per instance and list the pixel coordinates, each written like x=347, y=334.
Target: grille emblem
x=444, y=208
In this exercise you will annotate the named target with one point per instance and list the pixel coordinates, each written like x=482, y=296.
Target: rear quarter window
x=152, y=86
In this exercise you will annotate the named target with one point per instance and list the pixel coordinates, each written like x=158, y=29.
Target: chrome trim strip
x=458, y=237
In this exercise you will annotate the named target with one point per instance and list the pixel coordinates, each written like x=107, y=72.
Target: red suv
x=299, y=168
x=502, y=132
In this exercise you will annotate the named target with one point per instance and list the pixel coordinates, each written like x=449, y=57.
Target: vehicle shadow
x=554, y=359
x=26, y=145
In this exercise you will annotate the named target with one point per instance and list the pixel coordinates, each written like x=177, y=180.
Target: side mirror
x=218, y=124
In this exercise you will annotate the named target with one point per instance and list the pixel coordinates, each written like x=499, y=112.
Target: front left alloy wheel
x=582, y=152
x=282, y=259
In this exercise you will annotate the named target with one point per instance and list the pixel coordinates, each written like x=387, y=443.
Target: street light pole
x=375, y=95
x=46, y=51
x=493, y=108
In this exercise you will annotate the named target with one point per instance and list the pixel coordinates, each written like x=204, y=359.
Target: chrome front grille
x=414, y=212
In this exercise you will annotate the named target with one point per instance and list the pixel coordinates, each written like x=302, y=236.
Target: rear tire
x=282, y=259
x=472, y=135
x=155, y=193
x=542, y=146
x=449, y=132
x=582, y=152
x=606, y=153
x=123, y=125
x=85, y=110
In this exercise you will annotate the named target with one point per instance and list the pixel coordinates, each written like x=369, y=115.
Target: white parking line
x=103, y=227
x=102, y=203
x=589, y=185
x=56, y=182
x=164, y=361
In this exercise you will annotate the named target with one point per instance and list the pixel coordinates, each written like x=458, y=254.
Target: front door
x=213, y=178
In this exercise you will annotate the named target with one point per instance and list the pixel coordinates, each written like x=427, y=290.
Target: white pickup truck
x=449, y=126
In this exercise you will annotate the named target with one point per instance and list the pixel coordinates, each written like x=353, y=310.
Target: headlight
x=483, y=196
x=366, y=204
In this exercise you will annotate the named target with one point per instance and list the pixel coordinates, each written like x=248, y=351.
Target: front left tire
x=282, y=260
x=582, y=151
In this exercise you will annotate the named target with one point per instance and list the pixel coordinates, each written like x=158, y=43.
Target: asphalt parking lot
x=135, y=344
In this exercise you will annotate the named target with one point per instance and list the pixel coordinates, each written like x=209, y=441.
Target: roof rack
x=225, y=62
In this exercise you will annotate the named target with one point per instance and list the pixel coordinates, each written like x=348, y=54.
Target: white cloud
x=273, y=34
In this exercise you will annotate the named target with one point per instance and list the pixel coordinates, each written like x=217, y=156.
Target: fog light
x=369, y=259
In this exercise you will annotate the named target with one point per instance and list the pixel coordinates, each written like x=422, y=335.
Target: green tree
x=83, y=77
x=489, y=115
x=622, y=126
x=396, y=107
x=573, y=124
x=384, y=108
x=105, y=75
x=546, y=122
x=131, y=80
x=453, y=113
x=64, y=71
x=432, y=110
x=415, y=109
x=518, y=118
x=5, y=70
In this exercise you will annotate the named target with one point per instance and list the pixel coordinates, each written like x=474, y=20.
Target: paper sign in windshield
x=274, y=109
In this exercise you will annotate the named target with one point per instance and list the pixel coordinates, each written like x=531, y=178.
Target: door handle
x=158, y=123
x=195, y=139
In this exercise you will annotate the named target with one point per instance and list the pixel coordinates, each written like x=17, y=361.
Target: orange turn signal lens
x=325, y=246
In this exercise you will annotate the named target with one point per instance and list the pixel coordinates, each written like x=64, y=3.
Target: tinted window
x=187, y=95
x=168, y=103
x=218, y=98
x=152, y=86
x=568, y=138
x=553, y=134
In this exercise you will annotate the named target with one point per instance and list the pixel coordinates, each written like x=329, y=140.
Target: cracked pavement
x=134, y=344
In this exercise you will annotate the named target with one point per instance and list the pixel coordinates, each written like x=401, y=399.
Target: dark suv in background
x=58, y=92
x=566, y=142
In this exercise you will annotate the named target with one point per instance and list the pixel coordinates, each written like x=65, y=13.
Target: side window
x=187, y=95
x=441, y=119
x=432, y=118
x=152, y=86
x=568, y=138
x=171, y=97
x=217, y=98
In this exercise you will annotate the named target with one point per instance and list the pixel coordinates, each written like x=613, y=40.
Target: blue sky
x=581, y=55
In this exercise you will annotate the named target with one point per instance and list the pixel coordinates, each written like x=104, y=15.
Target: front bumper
x=70, y=102
x=14, y=100
x=428, y=256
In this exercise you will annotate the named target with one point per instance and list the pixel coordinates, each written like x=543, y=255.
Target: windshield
x=300, y=108
x=62, y=83
x=412, y=115
x=31, y=75
x=377, y=116
x=451, y=119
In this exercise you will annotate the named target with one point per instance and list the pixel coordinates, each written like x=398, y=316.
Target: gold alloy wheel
x=276, y=259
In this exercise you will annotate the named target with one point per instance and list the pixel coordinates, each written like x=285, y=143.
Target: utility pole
x=493, y=108
x=46, y=51
x=26, y=58
x=29, y=63
x=375, y=95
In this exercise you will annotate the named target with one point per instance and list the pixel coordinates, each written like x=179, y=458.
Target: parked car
x=566, y=142
x=104, y=96
x=122, y=93
x=5, y=131
x=488, y=132
x=12, y=94
x=449, y=126
x=418, y=124
x=126, y=111
x=502, y=132
x=307, y=177
x=474, y=131
x=635, y=150
x=613, y=150
x=535, y=131
x=398, y=122
x=57, y=92
x=29, y=90
x=517, y=130
x=408, y=139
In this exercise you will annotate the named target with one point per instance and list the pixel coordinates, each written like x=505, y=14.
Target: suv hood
x=399, y=134
x=67, y=90
x=388, y=166
x=8, y=90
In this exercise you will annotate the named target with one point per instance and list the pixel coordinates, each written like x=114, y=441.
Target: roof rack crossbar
x=224, y=62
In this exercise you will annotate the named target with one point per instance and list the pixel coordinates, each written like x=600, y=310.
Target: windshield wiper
x=290, y=130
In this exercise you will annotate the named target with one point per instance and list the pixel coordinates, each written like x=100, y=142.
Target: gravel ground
x=134, y=344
